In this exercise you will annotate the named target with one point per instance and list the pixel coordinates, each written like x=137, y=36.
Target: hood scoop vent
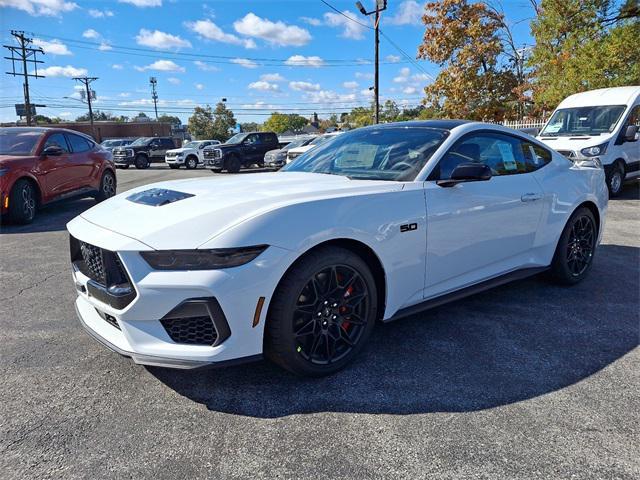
x=157, y=197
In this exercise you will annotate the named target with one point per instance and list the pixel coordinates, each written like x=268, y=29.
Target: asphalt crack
x=37, y=284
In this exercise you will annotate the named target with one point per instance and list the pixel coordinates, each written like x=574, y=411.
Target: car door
x=81, y=164
x=631, y=148
x=251, y=148
x=54, y=170
x=480, y=229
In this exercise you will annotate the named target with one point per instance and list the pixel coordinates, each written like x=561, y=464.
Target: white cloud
x=272, y=77
x=95, y=13
x=64, y=114
x=162, y=66
x=143, y=3
x=105, y=47
x=199, y=86
x=54, y=47
x=329, y=96
x=408, y=13
x=260, y=105
x=205, y=67
x=350, y=85
x=367, y=76
x=275, y=33
x=392, y=58
x=124, y=94
x=58, y=71
x=366, y=92
x=209, y=30
x=314, y=22
x=91, y=33
x=302, y=61
x=304, y=86
x=421, y=77
x=117, y=66
x=351, y=29
x=49, y=8
x=173, y=80
x=403, y=76
x=161, y=103
x=264, y=86
x=409, y=90
x=244, y=62
x=160, y=40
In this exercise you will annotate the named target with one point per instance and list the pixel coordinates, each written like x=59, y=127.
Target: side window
x=166, y=143
x=78, y=144
x=634, y=117
x=535, y=156
x=505, y=155
x=253, y=140
x=57, y=140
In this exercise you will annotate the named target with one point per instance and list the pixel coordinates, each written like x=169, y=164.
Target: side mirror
x=467, y=172
x=52, y=151
x=630, y=133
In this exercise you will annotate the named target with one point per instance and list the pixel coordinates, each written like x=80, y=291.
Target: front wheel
x=233, y=164
x=191, y=163
x=574, y=254
x=615, y=180
x=322, y=313
x=107, y=186
x=23, y=201
x=142, y=162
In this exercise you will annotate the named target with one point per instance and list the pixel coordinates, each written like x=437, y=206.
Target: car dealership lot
x=528, y=380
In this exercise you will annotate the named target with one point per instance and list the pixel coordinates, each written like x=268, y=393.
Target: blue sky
x=295, y=56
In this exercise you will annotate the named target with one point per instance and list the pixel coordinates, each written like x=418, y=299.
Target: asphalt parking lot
x=526, y=381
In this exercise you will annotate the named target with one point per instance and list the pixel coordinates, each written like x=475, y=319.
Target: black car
x=241, y=150
x=143, y=151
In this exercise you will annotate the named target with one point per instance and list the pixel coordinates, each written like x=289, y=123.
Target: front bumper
x=123, y=160
x=174, y=160
x=137, y=330
x=213, y=162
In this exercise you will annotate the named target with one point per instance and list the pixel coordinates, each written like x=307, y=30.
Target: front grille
x=214, y=153
x=191, y=331
x=92, y=261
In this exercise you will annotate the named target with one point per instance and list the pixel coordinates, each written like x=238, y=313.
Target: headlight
x=202, y=259
x=594, y=151
x=179, y=154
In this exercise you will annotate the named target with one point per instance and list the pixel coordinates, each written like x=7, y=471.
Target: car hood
x=575, y=142
x=301, y=149
x=214, y=205
x=7, y=160
x=181, y=150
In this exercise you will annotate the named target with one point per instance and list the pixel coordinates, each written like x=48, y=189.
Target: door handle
x=530, y=197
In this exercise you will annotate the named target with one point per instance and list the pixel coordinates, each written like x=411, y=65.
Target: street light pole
x=380, y=6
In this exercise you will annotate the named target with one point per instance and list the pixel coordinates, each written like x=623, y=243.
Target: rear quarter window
x=79, y=144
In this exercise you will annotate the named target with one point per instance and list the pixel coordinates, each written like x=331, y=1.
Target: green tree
x=98, y=116
x=250, y=127
x=281, y=122
x=390, y=111
x=582, y=45
x=217, y=124
x=359, y=117
x=164, y=118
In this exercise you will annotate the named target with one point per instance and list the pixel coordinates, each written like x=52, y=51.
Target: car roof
x=440, y=124
x=47, y=129
x=602, y=96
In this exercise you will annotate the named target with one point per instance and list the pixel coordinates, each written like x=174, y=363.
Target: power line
x=346, y=16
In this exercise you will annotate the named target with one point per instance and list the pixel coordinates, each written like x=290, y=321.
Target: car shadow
x=51, y=218
x=630, y=191
x=506, y=345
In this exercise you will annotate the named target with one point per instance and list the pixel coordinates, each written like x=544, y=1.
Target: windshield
x=300, y=142
x=321, y=139
x=191, y=145
x=18, y=142
x=110, y=143
x=237, y=138
x=140, y=141
x=584, y=121
x=387, y=153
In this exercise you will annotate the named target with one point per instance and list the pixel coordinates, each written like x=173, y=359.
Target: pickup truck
x=190, y=155
x=241, y=150
x=142, y=152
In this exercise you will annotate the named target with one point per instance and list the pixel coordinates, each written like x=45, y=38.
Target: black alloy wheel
x=322, y=312
x=107, y=186
x=23, y=202
x=233, y=164
x=576, y=249
x=142, y=162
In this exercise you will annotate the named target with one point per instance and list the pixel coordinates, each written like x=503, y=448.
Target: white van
x=602, y=126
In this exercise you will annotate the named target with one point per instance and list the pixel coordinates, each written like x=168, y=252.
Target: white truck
x=600, y=126
x=190, y=155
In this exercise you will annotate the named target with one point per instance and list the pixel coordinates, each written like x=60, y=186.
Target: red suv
x=42, y=165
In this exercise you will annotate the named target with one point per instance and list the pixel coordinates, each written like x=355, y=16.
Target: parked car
x=42, y=165
x=294, y=153
x=379, y=223
x=602, y=126
x=278, y=158
x=143, y=151
x=241, y=150
x=189, y=155
x=111, y=143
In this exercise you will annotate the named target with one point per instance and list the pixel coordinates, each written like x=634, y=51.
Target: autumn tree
x=582, y=45
x=281, y=122
x=173, y=120
x=478, y=77
x=209, y=124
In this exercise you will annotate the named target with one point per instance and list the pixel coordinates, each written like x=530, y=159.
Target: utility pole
x=25, y=55
x=380, y=6
x=153, y=81
x=86, y=81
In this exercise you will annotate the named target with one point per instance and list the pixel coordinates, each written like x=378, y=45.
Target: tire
x=174, y=167
x=23, y=202
x=216, y=170
x=576, y=248
x=311, y=339
x=191, y=162
x=107, y=186
x=141, y=162
x=615, y=179
x=232, y=164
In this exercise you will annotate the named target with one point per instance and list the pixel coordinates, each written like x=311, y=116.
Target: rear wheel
x=191, y=162
x=107, y=186
x=23, y=202
x=615, y=179
x=233, y=164
x=142, y=162
x=574, y=254
x=322, y=313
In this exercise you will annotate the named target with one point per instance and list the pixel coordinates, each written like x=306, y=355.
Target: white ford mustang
x=378, y=223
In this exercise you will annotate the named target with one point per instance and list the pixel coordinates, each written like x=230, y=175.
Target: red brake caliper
x=347, y=294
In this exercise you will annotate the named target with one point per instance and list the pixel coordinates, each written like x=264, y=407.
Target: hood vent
x=157, y=197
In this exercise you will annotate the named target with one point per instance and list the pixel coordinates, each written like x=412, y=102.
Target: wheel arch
x=593, y=208
x=33, y=182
